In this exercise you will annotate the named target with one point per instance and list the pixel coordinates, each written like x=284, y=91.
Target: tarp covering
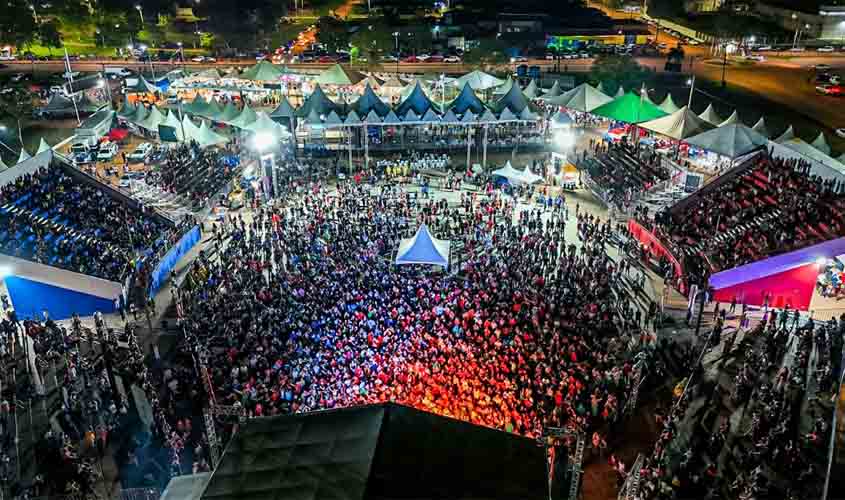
x=369, y=101
x=376, y=452
x=821, y=144
x=318, y=102
x=554, y=91
x=283, y=110
x=246, y=117
x=466, y=100
x=583, y=98
x=338, y=75
x=42, y=147
x=142, y=86
x=760, y=127
x=679, y=125
x=788, y=279
x=709, y=115
x=168, y=262
x=630, y=108
x=787, y=134
x=668, y=105
x=732, y=141
x=417, y=101
x=479, y=80
x=229, y=113
x=423, y=248
x=206, y=137
x=263, y=71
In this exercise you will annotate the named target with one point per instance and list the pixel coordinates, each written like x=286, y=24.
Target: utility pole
x=724, y=65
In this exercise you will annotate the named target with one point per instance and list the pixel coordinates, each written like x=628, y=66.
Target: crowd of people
x=51, y=218
x=775, y=206
x=193, y=173
x=621, y=173
x=301, y=309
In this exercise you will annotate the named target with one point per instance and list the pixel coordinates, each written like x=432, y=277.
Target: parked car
x=764, y=48
x=82, y=158
x=519, y=59
x=755, y=57
x=423, y=57
x=826, y=48
x=17, y=77
x=127, y=178
x=411, y=59
x=797, y=49
x=452, y=59
x=550, y=56
x=829, y=89
x=326, y=59
x=142, y=151
x=107, y=151
x=822, y=67
x=389, y=58
x=436, y=58
x=840, y=132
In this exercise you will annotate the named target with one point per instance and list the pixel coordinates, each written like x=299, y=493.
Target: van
x=115, y=72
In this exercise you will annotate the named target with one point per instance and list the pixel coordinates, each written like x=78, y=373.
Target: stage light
x=564, y=139
x=263, y=141
x=821, y=261
x=6, y=271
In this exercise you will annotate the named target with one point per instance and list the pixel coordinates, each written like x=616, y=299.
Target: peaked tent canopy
x=263, y=124
x=246, y=117
x=734, y=118
x=582, y=98
x=466, y=100
x=554, y=91
x=338, y=75
x=731, y=141
x=263, y=71
x=629, y=108
x=3, y=165
x=679, y=125
x=368, y=102
x=126, y=110
x=417, y=101
x=171, y=120
x=508, y=172
x=423, y=248
x=392, y=119
x=469, y=117
x=479, y=80
x=619, y=92
x=138, y=116
x=317, y=102
x=352, y=119
x=191, y=130
x=645, y=97
x=505, y=87
x=450, y=117
x=23, y=156
x=142, y=86
x=283, y=110
x=229, y=113
x=561, y=119
x=333, y=120
x=821, y=144
x=430, y=117
x=207, y=137
x=372, y=117
x=508, y=116
x=787, y=134
x=487, y=117
x=529, y=176
x=514, y=101
x=152, y=120
x=42, y=147
x=528, y=115
x=709, y=115
x=199, y=106
x=760, y=127
x=411, y=117
x=668, y=105
x=532, y=91
x=213, y=111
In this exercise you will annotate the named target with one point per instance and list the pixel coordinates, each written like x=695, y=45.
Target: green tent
x=630, y=108
x=338, y=75
x=263, y=72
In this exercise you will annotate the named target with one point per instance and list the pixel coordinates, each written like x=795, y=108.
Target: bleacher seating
x=50, y=218
x=621, y=175
x=192, y=174
x=773, y=207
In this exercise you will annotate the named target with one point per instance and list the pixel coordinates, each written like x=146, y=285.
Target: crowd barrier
x=168, y=262
x=653, y=244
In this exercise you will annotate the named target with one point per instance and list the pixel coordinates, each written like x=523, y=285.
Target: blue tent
x=467, y=100
x=369, y=101
x=416, y=100
x=423, y=248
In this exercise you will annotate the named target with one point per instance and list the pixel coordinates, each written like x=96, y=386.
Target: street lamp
x=140, y=13
x=396, y=37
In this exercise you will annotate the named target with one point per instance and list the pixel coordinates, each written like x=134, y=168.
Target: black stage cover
x=376, y=452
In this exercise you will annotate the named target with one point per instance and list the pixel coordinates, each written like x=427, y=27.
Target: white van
x=115, y=72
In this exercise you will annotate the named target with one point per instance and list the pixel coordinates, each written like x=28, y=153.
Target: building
x=833, y=23
x=792, y=15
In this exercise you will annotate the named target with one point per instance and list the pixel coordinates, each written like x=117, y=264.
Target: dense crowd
x=51, y=218
x=302, y=309
x=773, y=207
x=622, y=173
x=193, y=173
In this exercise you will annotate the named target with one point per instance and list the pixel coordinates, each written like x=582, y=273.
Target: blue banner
x=168, y=262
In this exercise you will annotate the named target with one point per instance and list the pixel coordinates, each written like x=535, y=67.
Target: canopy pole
x=469, y=144
x=349, y=138
x=366, y=147
x=484, y=148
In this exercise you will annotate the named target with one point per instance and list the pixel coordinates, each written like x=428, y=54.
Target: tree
x=490, y=52
x=17, y=24
x=374, y=39
x=50, y=35
x=621, y=69
x=333, y=33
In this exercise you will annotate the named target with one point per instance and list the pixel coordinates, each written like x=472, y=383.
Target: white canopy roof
x=760, y=127
x=479, y=80
x=679, y=125
x=709, y=115
x=42, y=147
x=23, y=156
x=529, y=176
x=516, y=176
x=206, y=137
x=821, y=164
x=787, y=134
x=423, y=248
x=263, y=124
x=582, y=98
x=668, y=105
x=734, y=118
x=732, y=141
x=821, y=144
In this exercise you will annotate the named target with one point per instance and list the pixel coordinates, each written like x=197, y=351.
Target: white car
x=797, y=49
x=423, y=57
x=519, y=59
x=8, y=58
x=755, y=57
x=822, y=67
x=693, y=42
x=141, y=152
x=764, y=48
x=827, y=48
x=452, y=59
x=107, y=151
x=840, y=132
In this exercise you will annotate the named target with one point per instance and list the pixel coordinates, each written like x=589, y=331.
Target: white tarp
x=821, y=164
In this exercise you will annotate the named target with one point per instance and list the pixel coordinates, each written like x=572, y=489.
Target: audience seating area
x=620, y=175
x=192, y=174
x=50, y=218
x=773, y=207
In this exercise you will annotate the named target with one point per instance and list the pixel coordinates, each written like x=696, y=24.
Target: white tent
x=709, y=115
x=619, y=92
x=511, y=174
x=582, y=98
x=42, y=147
x=478, y=80
x=263, y=124
x=760, y=127
x=531, y=91
x=23, y=156
x=152, y=120
x=423, y=248
x=679, y=125
x=732, y=141
x=191, y=130
x=787, y=134
x=734, y=118
x=246, y=116
x=450, y=117
x=206, y=137
x=821, y=164
x=530, y=177
x=668, y=105
x=352, y=119
x=469, y=117
x=821, y=144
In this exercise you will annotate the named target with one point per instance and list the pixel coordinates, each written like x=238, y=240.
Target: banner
x=653, y=244
x=168, y=262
